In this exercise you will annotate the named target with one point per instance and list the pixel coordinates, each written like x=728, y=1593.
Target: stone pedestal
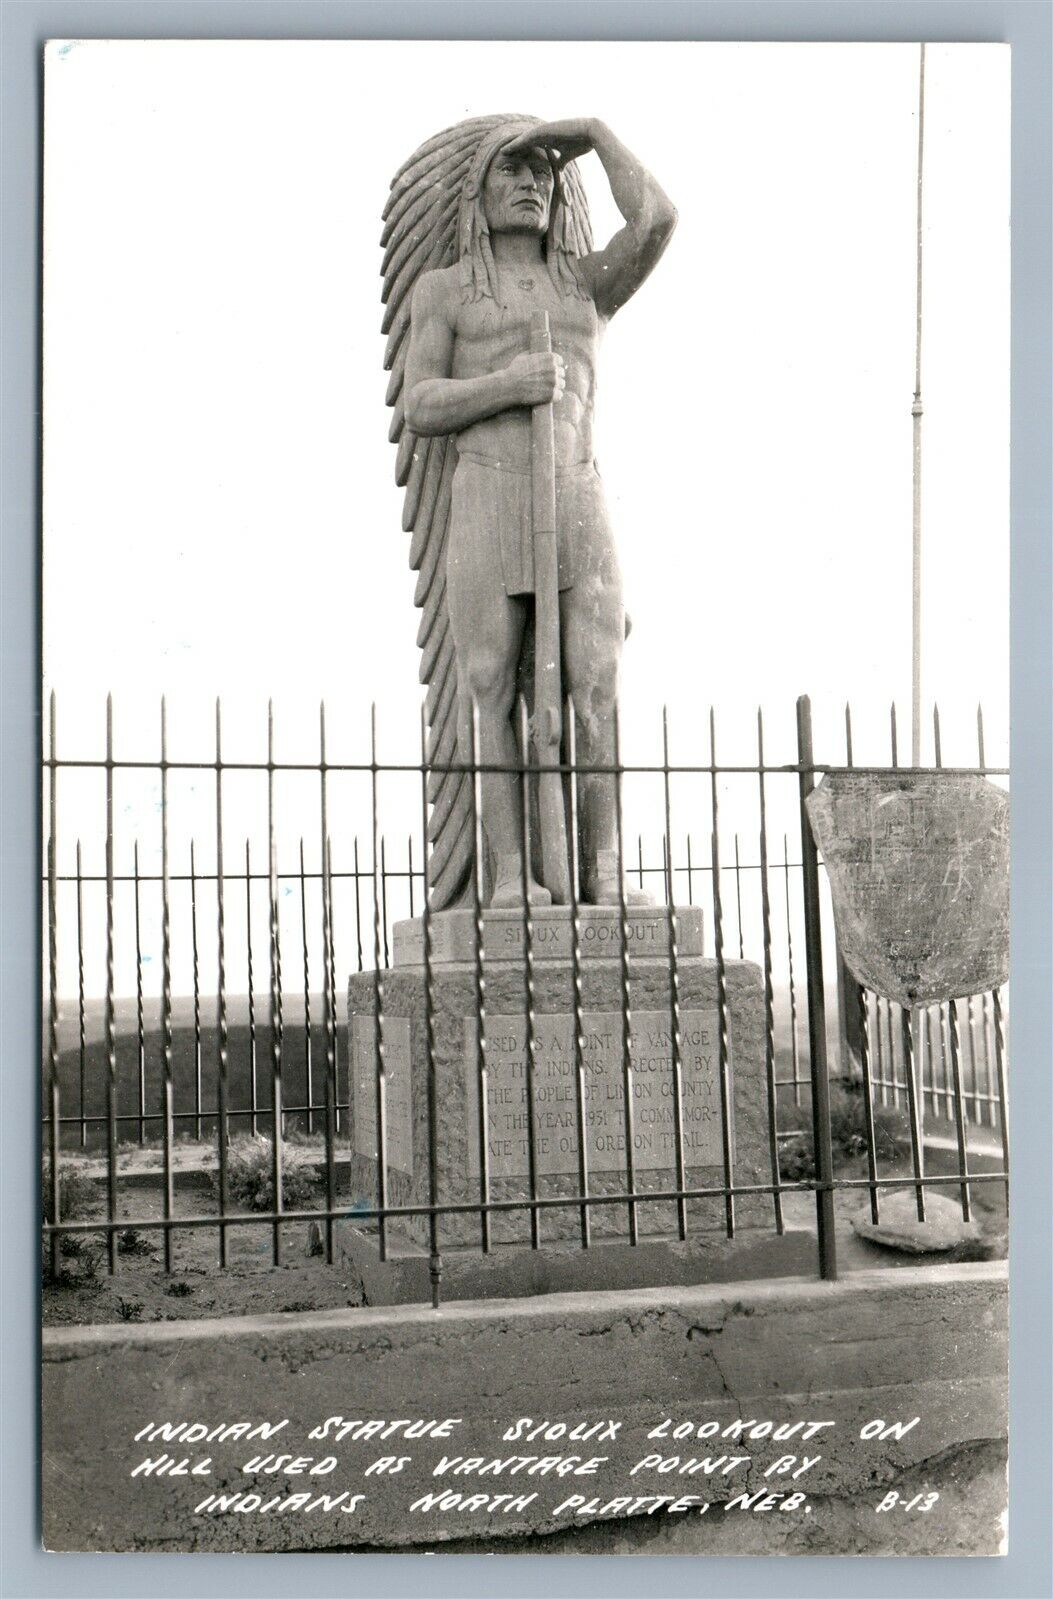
x=458, y=1059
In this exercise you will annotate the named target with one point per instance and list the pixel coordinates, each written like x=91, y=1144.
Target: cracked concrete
x=968, y=1520
x=926, y=1341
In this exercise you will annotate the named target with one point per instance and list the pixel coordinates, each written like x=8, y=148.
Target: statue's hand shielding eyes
x=565, y=140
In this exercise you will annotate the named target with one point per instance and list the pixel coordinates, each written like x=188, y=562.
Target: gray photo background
x=1028, y=27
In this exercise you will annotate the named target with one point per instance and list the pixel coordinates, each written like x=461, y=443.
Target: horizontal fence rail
x=196, y=993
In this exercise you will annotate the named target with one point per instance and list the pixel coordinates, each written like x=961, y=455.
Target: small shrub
x=250, y=1174
x=179, y=1290
x=891, y=1132
x=77, y=1190
x=130, y=1309
x=848, y=1134
x=132, y=1242
x=796, y=1161
x=89, y=1259
x=848, y=1128
x=81, y=1259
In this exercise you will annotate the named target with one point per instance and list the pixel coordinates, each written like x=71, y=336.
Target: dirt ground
x=142, y=1290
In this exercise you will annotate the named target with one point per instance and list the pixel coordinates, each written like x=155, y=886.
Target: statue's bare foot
x=602, y=887
x=508, y=889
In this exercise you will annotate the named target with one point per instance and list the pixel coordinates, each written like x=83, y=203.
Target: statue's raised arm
x=616, y=272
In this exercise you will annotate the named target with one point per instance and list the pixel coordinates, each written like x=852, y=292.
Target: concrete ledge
x=513, y=1273
x=925, y=1341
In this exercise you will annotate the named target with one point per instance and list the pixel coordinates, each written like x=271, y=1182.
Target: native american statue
x=496, y=301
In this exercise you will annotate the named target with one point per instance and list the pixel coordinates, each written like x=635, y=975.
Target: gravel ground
x=142, y=1290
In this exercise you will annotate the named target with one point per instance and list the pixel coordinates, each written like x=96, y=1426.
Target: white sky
x=220, y=512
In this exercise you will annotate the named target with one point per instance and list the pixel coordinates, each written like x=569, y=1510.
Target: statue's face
x=517, y=192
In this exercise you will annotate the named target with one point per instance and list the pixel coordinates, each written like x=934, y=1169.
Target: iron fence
x=121, y=1068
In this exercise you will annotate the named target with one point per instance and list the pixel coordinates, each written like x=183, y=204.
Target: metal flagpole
x=916, y=1065
x=916, y=413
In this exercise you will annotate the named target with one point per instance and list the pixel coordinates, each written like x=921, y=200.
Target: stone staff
x=548, y=694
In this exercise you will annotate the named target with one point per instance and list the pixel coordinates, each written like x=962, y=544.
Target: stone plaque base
x=455, y=1017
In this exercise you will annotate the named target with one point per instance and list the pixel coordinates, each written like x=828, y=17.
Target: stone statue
x=496, y=302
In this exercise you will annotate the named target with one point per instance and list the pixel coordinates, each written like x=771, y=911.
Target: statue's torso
x=488, y=336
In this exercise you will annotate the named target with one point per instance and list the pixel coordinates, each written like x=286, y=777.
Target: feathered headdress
x=434, y=218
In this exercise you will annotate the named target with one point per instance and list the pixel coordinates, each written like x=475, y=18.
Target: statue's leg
x=487, y=627
x=592, y=618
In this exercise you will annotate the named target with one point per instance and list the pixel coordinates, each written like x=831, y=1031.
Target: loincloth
x=495, y=499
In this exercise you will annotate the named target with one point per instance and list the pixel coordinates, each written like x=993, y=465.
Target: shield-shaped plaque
x=919, y=877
